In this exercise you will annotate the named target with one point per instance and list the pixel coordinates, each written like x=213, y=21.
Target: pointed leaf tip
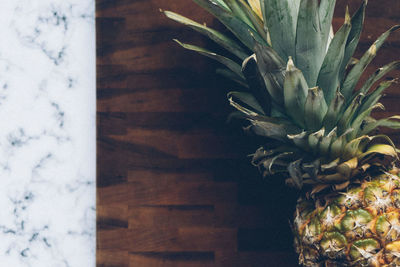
x=295, y=90
x=372, y=50
x=315, y=108
x=246, y=61
x=290, y=64
x=395, y=28
x=177, y=41
x=347, y=18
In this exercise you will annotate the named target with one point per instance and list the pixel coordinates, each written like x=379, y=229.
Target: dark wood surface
x=175, y=187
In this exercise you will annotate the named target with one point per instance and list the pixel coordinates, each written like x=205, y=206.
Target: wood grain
x=175, y=186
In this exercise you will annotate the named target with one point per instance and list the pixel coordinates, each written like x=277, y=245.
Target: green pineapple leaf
x=356, y=124
x=372, y=98
x=294, y=169
x=239, y=28
x=332, y=116
x=278, y=15
x=348, y=115
x=222, y=4
x=256, y=83
x=214, y=35
x=254, y=18
x=357, y=23
x=247, y=99
x=315, y=109
x=300, y=139
x=355, y=147
x=295, y=93
x=338, y=144
x=392, y=122
x=268, y=129
x=386, y=149
x=356, y=72
x=276, y=164
x=326, y=10
x=238, y=11
x=326, y=142
x=328, y=78
x=254, y=116
x=233, y=66
x=314, y=139
x=230, y=75
x=309, y=48
x=380, y=73
x=272, y=70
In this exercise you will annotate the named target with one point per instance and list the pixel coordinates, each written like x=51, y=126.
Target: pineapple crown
x=299, y=83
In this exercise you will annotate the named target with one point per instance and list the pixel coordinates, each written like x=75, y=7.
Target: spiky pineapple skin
x=357, y=227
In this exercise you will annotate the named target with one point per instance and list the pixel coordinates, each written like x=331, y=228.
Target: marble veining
x=47, y=133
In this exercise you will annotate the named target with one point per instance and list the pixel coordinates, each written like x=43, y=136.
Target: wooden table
x=175, y=187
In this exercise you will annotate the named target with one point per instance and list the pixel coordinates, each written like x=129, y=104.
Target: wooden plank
x=187, y=145
x=150, y=239
x=168, y=192
x=117, y=123
x=171, y=215
x=220, y=215
x=190, y=176
x=113, y=240
x=172, y=259
x=112, y=258
x=159, y=100
x=112, y=216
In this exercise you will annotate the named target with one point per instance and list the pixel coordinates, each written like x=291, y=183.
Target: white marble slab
x=47, y=133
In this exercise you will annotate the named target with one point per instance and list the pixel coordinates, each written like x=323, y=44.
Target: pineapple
x=299, y=92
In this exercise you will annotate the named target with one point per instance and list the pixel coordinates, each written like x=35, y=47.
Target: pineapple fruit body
x=357, y=227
